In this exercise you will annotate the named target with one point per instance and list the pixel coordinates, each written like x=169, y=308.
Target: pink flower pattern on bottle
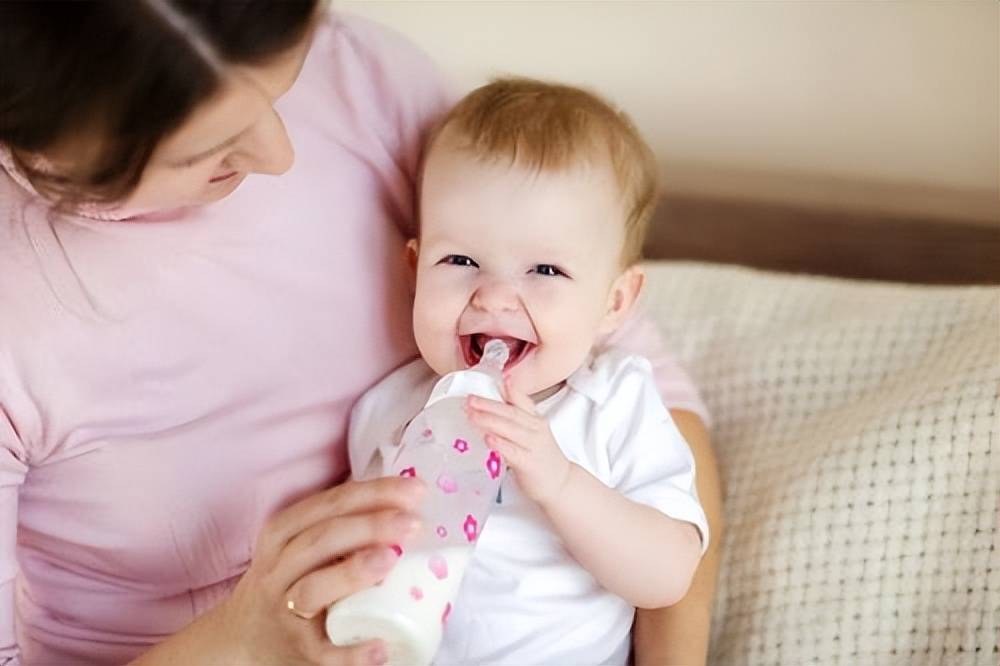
x=460, y=445
x=493, y=464
x=471, y=527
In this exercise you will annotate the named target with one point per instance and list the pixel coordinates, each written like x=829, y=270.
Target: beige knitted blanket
x=857, y=427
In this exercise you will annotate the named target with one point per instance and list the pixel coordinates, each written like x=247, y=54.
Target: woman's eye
x=187, y=164
x=548, y=270
x=459, y=260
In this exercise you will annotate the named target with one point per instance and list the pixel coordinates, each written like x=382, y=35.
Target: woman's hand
x=313, y=553
x=522, y=437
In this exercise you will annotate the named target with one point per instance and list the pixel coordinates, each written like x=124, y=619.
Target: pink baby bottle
x=409, y=608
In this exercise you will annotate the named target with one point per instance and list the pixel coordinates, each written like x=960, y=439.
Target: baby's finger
x=501, y=425
x=518, y=398
x=512, y=454
x=502, y=409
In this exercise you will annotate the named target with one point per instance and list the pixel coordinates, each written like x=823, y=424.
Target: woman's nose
x=266, y=148
x=496, y=296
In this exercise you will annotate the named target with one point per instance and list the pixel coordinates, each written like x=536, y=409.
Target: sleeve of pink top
x=401, y=95
x=640, y=335
x=13, y=468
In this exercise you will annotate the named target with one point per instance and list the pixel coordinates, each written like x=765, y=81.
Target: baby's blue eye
x=459, y=260
x=548, y=270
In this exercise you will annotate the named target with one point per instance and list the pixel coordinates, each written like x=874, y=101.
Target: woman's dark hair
x=128, y=70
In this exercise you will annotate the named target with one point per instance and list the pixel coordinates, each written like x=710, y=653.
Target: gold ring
x=297, y=613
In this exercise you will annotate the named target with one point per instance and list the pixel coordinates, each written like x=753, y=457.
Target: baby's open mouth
x=473, y=345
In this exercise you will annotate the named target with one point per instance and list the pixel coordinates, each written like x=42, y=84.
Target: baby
x=534, y=199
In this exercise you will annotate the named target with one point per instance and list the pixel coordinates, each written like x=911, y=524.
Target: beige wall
x=809, y=100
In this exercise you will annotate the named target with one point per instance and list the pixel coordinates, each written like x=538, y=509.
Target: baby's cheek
x=570, y=315
x=574, y=330
x=426, y=331
x=434, y=328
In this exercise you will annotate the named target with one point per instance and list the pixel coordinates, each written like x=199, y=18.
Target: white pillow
x=857, y=427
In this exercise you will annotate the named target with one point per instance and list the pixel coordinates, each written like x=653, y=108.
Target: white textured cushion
x=857, y=429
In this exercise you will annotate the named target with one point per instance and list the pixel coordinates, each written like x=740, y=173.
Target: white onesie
x=524, y=599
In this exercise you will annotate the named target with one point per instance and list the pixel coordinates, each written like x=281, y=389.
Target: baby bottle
x=409, y=608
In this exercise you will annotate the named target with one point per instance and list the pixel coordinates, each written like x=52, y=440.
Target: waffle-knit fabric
x=857, y=428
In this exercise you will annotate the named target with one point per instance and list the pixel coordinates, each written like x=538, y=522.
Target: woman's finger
x=369, y=653
x=339, y=537
x=350, y=497
x=312, y=593
x=309, y=636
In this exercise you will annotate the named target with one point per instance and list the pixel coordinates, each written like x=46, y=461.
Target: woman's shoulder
x=374, y=42
x=393, y=75
x=372, y=92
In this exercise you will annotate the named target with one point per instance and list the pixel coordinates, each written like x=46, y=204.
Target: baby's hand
x=525, y=442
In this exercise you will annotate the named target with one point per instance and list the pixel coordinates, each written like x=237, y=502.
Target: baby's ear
x=624, y=293
x=410, y=255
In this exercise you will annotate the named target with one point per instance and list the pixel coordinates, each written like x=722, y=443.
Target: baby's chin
x=538, y=386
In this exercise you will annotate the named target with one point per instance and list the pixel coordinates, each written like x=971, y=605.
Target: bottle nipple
x=495, y=355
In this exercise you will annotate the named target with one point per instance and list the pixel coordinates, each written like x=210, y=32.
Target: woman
x=182, y=333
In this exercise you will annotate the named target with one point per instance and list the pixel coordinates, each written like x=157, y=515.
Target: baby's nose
x=496, y=296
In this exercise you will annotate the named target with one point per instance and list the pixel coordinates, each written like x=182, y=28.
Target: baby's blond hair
x=552, y=127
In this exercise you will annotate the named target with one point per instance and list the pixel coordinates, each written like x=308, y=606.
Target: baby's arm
x=631, y=548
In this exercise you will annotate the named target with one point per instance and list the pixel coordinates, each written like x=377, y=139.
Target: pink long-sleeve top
x=167, y=384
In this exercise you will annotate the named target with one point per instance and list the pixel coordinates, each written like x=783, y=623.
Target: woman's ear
x=410, y=255
x=624, y=293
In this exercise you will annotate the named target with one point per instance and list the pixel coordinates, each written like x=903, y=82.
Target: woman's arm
x=679, y=634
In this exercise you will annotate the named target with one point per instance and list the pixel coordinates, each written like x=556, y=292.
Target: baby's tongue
x=513, y=344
